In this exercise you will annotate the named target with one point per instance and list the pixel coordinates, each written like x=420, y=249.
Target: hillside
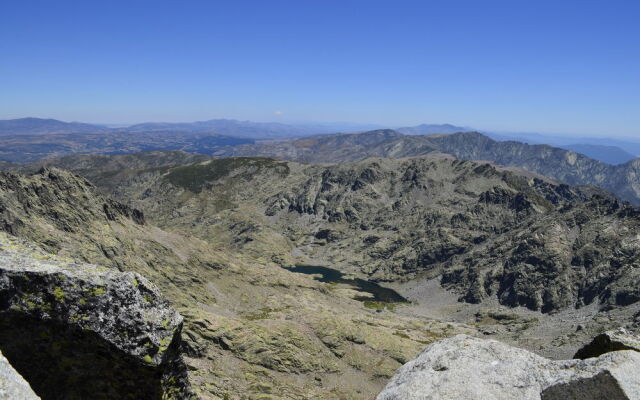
x=292, y=335
x=563, y=165
x=432, y=228
x=338, y=148
x=395, y=219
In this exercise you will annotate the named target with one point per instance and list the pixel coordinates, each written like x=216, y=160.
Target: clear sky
x=546, y=66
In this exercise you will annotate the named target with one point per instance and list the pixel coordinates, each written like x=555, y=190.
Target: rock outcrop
x=462, y=367
x=615, y=340
x=79, y=331
x=12, y=385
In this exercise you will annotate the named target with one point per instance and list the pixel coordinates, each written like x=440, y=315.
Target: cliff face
x=78, y=331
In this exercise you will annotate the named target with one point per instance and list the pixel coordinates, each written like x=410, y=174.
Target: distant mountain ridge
x=221, y=126
x=564, y=165
x=602, y=145
x=30, y=139
x=31, y=126
x=229, y=127
x=553, y=162
x=264, y=130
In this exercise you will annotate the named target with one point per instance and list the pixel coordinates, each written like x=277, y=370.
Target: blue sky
x=546, y=66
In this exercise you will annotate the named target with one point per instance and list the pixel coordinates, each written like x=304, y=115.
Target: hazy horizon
x=557, y=135
x=553, y=68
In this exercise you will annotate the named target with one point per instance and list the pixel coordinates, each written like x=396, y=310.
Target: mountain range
x=553, y=162
x=225, y=138
x=30, y=139
x=369, y=218
x=228, y=127
x=438, y=229
x=309, y=267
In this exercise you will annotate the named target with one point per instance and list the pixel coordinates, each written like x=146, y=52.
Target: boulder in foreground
x=463, y=367
x=80, y=331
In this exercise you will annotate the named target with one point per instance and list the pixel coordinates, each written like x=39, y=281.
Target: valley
x=327, y=200
x=468, y=230
x=305, y=279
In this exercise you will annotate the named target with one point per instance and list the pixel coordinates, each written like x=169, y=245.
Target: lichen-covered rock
x=463, y=367
x=79, y=331
x=12, y=385
x=615, y=340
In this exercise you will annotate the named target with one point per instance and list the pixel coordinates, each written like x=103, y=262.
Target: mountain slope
x=464, y=241
x=101, y=162
x=338, y=147
x=250, y=326
x=553, y=162
x=395, y=219
x=556, y=163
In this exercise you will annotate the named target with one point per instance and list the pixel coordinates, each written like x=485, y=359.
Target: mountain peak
x=427, y=129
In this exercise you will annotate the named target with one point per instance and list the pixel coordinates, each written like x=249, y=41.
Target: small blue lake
x=330, y=275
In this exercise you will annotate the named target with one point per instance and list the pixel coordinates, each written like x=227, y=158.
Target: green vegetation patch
x=381, y=305
x=58, y=293
x=195, y=177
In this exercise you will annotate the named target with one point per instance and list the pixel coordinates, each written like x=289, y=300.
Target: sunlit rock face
x=462, y=367
x=12, y=385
